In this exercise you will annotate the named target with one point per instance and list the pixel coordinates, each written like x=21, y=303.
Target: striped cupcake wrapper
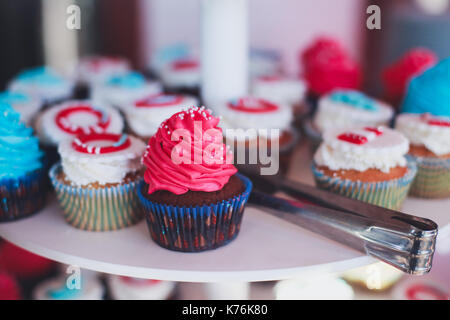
x=432, y=179
x=103, y=209
x=20, y=198
x=199, y=228
x=389, y=194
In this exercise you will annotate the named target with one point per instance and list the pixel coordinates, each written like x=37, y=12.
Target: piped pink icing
x=187, y=153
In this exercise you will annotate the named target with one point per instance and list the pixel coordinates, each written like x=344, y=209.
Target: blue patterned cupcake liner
x=389, y=194
x=98, y=209
x=432, y=179
x=24, y=196
x=198, y=228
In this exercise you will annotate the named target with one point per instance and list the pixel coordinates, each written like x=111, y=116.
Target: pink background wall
x=285, y=25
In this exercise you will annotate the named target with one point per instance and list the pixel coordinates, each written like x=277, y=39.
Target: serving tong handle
x=404, y=241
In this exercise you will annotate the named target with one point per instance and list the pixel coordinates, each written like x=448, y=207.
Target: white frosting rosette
x=345, y=108
x=145, y=116
x=97, y=69
x=126, y=288
x=74, y=117
x=288, y=91
x=181, y=73
x=433, y=132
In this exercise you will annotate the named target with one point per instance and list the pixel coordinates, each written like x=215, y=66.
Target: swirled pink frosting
x=187, y=153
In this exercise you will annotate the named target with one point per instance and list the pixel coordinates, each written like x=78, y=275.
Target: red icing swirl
x=187, y=153
x=327, y=66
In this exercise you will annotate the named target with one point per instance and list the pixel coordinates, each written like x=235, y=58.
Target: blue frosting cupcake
x=430, y=92
x=23, y=182
x=25, y=104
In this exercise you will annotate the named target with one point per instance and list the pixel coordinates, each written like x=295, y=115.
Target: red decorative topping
x=252, y=105
x=63, y=122
x=160, y=100
x=97, y=63
x=106, y=143
x=184, y=64
x=327, y=66
x=425, y=292
x=9, y=289
x=271, y=78
x=397, y=75
x=140, y=282
x=438, y=122
x=353, y=138
x=377, y=131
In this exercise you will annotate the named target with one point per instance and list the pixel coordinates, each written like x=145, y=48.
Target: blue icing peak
x=14, y=97
x=40, y=75
x=430, y=91
x=63, y=292
x=354, y=98
x=130, y=80
x=19, y=149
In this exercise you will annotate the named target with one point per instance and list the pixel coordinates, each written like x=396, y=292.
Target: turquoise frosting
x=130, y=80
x=355, y=99
x=13, y=98
x=63, y=293
x=40, y=75
x=19, y=149
x=430, y=91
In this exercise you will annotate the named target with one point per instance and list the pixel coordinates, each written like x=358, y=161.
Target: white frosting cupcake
x=278, y=89
x=125, y=288
x=345, y=108
x=74, y=117
x=44, y=83
x=123, y=89
x=100, y=158
x=433, y=132
x=362, y=149
x=25, y=104
x=145, y=116
x=58, y=289
x=97, y=69
x=182, y=73
x=256, y=114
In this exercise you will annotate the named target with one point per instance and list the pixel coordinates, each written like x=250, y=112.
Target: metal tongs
x=404, y=241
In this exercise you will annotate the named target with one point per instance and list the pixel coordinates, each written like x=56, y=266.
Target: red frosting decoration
x=397, y=75
x=62, y=120
x=377, y=131
x=327, y=66
x=159, y=100
x=438, y=122
x=353, y=138
x=271, y=78
x=139, y=282
x=9, y=289
x=196, y=159
x=119, y=142
x=184, y=64
x=97, y=63
x=252, y=105
x=22, y=263
x=414, y=292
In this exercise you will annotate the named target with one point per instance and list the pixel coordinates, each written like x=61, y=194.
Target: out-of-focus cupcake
x=193, y=198
x=347, y=108
x=97, y=180
x=26, y=105
x=126, y=288
x=264, y=62
x=66, y=120
x=366, y=164
x=123, y=89
x=397, y=75
x=251, y=124
x=44, y=83
x=430, y=150
x=23, y=183
x=89, y=288
x=182, y=76
x=286, y=91
x=146, y=115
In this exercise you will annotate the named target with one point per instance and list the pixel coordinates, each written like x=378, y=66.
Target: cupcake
x=123, y=89
x=44, y=83
x=283, y=90
x=57, y=288
x=430, y=150
x=366, y=164
x=23, y=184
x=96, y=182
x=126, y=288
x=264, y=62
x=194, y=201
x=182, y=76
x=26, y=105
x=250, y=124
x=397, y=75
x=347, y=108
x=66, y=120
x=145, y=116
x=93, y=70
